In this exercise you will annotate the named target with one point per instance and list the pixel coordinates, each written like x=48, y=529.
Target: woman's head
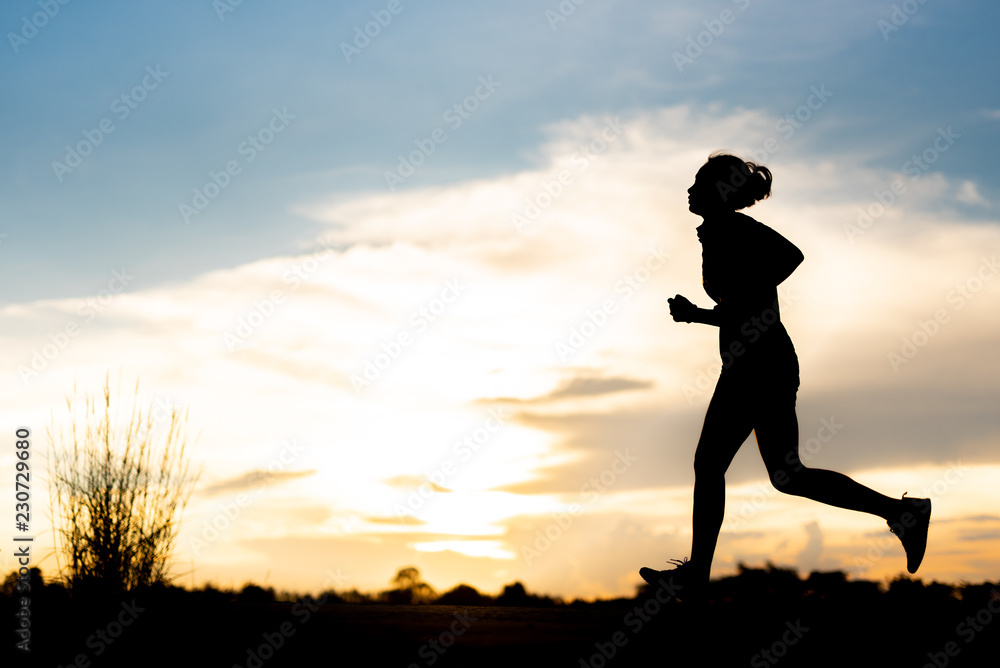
x=727, y=183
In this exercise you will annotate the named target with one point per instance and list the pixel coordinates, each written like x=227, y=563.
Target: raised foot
x=911, y=527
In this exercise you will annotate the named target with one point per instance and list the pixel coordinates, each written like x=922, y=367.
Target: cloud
x=744, y=535
x=983, y=535
x=408, y=520
x=586, y=387
x=968, y=193
x=583, y=386
x=253, y=480
x=413, y=481
x=810, y=557
x=971, y=518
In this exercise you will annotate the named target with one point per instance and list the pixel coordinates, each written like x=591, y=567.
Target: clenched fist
x=681, y=309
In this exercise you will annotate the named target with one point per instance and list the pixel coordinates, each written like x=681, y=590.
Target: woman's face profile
x=702, y=197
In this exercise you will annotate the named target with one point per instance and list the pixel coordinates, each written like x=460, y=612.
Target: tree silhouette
x=410, y=588
x=463, y=595
x=118, y=486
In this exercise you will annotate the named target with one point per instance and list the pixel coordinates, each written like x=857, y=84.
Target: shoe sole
x=914, y=551
x=924, y=522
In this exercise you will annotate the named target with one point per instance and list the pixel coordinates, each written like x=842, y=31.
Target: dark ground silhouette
x=760, y=617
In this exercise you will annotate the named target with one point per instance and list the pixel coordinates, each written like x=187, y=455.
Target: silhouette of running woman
x=743, y=261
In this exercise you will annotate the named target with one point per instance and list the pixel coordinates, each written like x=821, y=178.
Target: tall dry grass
x=119, y=480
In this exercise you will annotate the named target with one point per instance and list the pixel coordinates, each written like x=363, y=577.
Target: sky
x=405, y=264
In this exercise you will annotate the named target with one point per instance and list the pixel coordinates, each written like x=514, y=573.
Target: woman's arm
x=781, y=259
x=683, y=310
x=707, y=316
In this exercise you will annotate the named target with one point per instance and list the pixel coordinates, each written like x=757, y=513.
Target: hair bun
x=740, y=183
x=760, y=181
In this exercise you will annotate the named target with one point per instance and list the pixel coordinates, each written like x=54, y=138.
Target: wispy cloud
x=968, y=193
x=252, y=480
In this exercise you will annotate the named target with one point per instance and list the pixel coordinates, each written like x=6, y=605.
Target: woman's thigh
x=776, y=428
x=775, y=423
x=728, y=423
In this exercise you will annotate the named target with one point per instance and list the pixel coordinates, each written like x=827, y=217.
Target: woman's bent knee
x=786, y=482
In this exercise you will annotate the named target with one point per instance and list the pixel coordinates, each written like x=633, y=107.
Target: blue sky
x=303, y=267
x=353, y=119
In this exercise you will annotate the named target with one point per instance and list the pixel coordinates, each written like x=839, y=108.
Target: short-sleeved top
x=743, y=261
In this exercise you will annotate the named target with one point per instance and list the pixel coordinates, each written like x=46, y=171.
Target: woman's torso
x=735, y=253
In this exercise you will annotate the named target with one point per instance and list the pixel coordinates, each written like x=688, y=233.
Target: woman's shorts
x=761, y=379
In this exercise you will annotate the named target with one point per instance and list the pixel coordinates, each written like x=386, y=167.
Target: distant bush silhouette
x=410, y=588
x=33, y=582
x=354, y=596
x=118, y=489
x=464, y=595
x=254, y=594
x=516, y=595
